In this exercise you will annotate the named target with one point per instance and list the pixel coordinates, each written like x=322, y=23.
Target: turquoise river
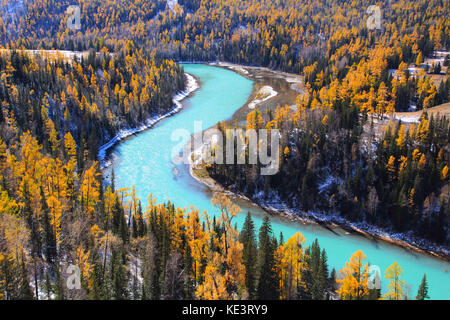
x=145, y=160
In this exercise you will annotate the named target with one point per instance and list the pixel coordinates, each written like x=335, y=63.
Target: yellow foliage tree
x=355, y=276
x=290, y=263
x=444, y=173
x=90, y=189
x=395, y=286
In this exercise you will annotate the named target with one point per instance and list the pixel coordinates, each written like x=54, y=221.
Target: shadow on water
x=325, y=225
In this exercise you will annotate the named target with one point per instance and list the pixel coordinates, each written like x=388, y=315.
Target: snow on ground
x=273, y=203
x=295, y=82
x=66, y=54
x=172, y=3
x=264, y=94
x=330, y=179
x=438, y=57
x=413, y=118
x=191, y=86
x=442, y=53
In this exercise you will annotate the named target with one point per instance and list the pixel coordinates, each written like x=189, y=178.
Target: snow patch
x=274, y=203
x=264, y=94
x=407, y=118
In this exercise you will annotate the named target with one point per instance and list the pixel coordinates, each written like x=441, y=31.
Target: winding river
x=145, y=160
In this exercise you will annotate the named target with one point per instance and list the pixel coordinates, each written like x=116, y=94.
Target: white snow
x=407, y=118
x=274, y=203
x=266, y=93
x=330, y=179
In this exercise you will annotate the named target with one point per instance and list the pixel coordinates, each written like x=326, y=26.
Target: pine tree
x=25, y=292
x=119, y=277
x=332, y=280
x=247, y=238
x=49, y=235
x=267, y=288
x=188, y=281
x=323, y=274
x=113, y=181
x=422, y=293
x=59, y=286
x=305, y=288
x=48, y=286
x=97, y=292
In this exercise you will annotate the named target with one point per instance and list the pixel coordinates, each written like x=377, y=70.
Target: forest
x=330, y=164
x=56, y=210
x=90, y=98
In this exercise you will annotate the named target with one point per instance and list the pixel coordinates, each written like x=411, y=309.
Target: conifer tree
x=119, y=276
x=248, y=239
x=422, y=293
x=267, y=281
x=188, y=281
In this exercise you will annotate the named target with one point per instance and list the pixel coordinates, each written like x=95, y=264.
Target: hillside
x=74, y=74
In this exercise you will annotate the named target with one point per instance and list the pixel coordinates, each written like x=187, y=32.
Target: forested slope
x=55, y=112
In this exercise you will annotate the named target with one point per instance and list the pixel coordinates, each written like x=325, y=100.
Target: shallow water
x=145, y=160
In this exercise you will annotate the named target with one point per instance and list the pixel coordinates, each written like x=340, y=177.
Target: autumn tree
x=394, y=274
x=353, y=285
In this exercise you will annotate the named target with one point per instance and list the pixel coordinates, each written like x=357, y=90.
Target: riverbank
x=199, y=173
x=295, y=81
x=191, y=85
x=270, y=89
x=404, y=240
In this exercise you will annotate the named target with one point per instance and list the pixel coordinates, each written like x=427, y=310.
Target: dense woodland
x=327, y=41
x=91, y=98
x=56, y=111
x=329, y=164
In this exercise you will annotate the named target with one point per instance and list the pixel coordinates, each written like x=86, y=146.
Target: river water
x=145, y=160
